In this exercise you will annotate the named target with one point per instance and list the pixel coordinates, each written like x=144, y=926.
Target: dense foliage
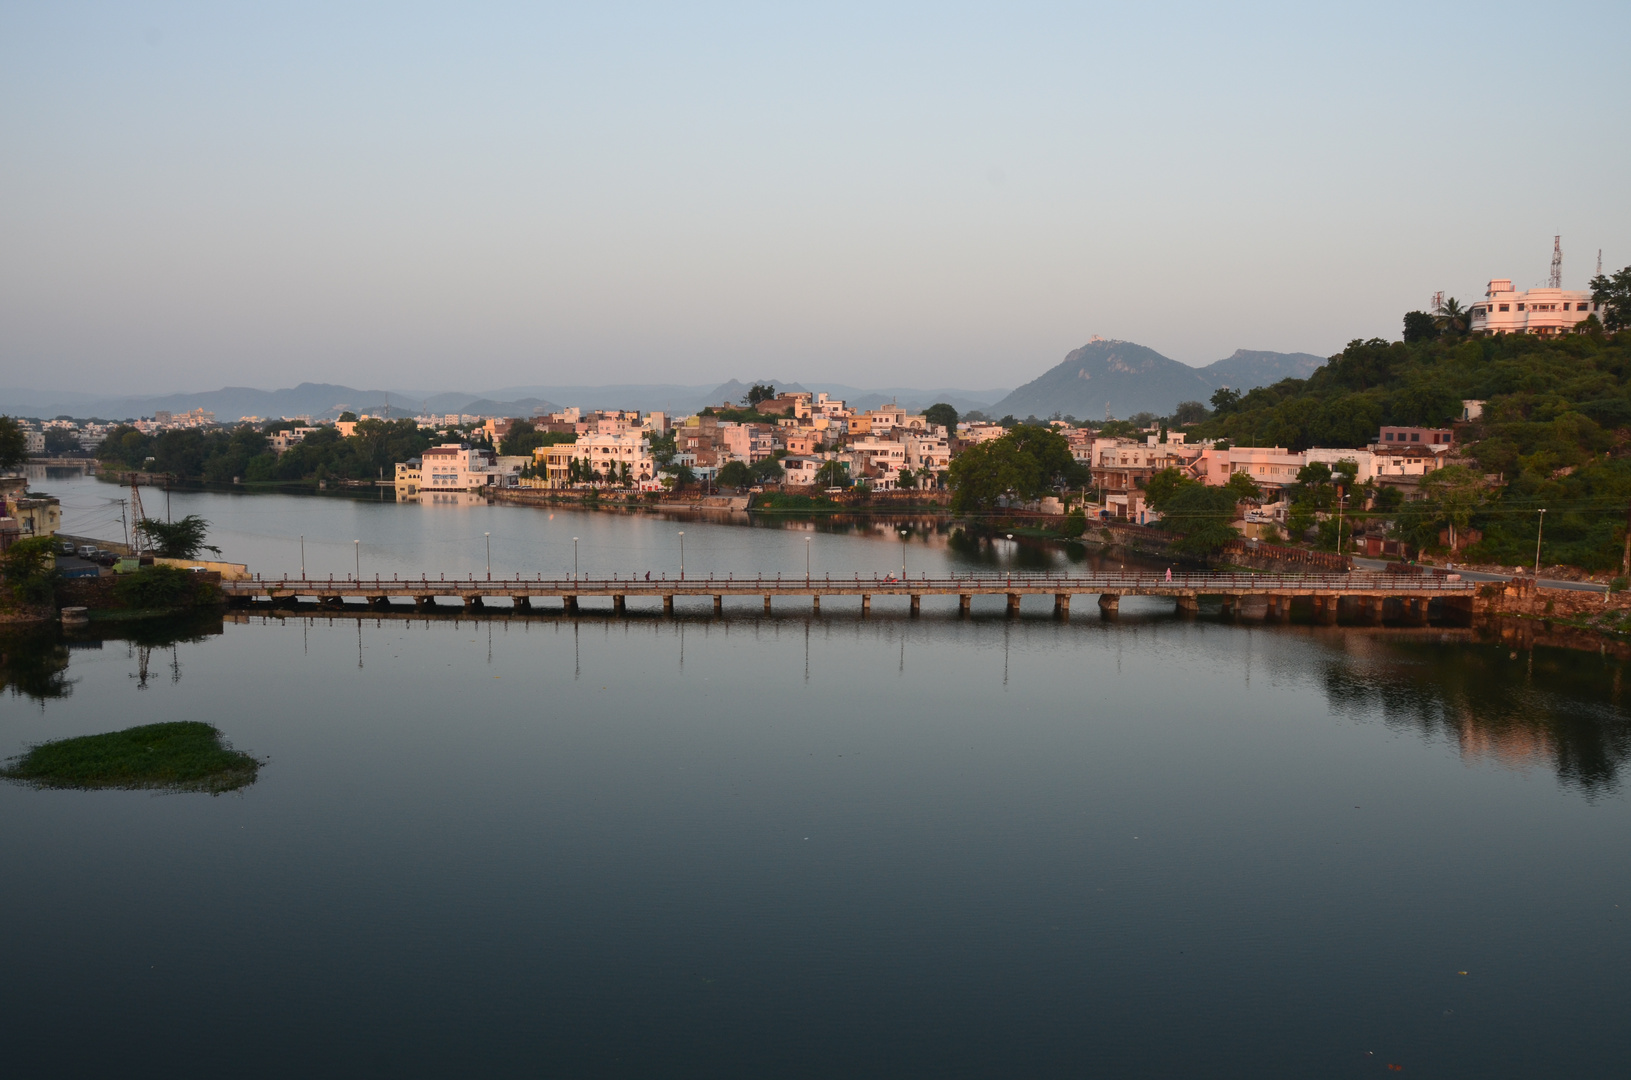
x=219, y=455
x=13, y=443
x=28, y=571
x=1023, y=464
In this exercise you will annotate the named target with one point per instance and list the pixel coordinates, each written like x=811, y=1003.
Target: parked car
x=65, y=547
x=87, y=551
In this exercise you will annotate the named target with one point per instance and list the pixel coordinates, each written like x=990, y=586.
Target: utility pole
x=356, y=550
x=682, y=554
x=1625, y=562
x=489, y=537
x=302, y=556
x=903, y=536
x=1539, y=529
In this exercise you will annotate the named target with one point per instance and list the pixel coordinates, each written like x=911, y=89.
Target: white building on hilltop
x=1545, y=312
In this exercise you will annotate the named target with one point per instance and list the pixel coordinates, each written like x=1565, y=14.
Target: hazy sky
x=468, y=196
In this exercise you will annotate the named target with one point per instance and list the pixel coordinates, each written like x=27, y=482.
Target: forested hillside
x=1555, y=432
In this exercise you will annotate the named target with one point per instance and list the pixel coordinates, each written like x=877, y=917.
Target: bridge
x=1364, y=593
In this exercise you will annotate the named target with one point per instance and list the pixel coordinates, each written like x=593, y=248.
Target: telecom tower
x=1556, y=280
x=1438, y=302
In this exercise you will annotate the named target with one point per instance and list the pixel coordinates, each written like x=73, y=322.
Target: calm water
x=815, y=847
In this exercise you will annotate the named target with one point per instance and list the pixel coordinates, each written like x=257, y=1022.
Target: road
x=1475, y=575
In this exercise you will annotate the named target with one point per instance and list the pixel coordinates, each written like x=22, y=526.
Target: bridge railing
x=1115, y=581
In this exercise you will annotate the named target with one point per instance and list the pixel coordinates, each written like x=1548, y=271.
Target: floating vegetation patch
x=184, y=755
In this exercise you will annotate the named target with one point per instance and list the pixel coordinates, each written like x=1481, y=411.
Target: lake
x=808, y=846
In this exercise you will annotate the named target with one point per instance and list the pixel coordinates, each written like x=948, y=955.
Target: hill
x=1120, y=378
x=1104, y=379
x=1248, y=369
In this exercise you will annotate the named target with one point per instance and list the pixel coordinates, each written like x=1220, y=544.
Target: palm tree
x=1452, y=317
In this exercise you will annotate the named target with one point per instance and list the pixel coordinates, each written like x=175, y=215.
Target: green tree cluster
x=218, y=455
x=1023, y=464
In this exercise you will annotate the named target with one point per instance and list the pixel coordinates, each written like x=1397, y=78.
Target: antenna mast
x=1556, y=280
x=1438, y=302
x=136, y=516
x=1599, y=262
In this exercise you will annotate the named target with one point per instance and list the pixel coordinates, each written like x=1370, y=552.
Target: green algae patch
x=183, y=755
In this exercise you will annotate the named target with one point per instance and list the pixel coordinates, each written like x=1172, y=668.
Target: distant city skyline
x=900, y=195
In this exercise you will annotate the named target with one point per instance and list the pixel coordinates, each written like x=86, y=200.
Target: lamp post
x=1540, y=528
x=574, y=558
x=489, y=538
x=682, y=554
x=356, y=550
x=903, y=535
x=302, y=556
x=807, y=560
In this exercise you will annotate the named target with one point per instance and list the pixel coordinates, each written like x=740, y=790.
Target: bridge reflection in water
x=1365, y=594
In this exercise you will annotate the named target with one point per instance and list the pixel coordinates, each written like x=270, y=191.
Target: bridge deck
x=1382, y=585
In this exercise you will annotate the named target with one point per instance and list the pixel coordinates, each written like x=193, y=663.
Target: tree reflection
x=34, y=665
x=1544, y=705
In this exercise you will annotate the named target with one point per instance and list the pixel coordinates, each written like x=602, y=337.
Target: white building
x=1546, y=312
x=458, y=467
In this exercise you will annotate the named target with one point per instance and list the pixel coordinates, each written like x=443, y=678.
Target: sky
x=468, y=196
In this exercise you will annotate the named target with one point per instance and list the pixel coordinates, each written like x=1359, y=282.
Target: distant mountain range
x=1119, y=379
x=328, y=400
x=1125, y=377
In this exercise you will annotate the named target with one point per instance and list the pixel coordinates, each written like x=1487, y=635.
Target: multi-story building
x=746, y=442
x=1125, y=464
x=926, y=450
x=610, y=456
x=460, y=467
x=1430, y=436
x=1546, y=312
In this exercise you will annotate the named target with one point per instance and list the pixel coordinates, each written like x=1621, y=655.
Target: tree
x=1243, y=486
x=768, y=470
x=735, y=474
x=1163, y=486
x=13, y=443
x=348, y=417
x=61, y=441
x=1613, y=293
x=1451, y=317
x=28, y=572
x=759, y=392
x=833, y=473
x=182, y=539
x=1419, y=326
x=1189, y=412
x=1450, y=497
x=1023, y=463
x=1225, y=400
x=942, y=414
x=1201, y=514
x=906, y=478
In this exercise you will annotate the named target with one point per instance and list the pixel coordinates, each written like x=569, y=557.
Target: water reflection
x=34, y=663
x=1543, y=706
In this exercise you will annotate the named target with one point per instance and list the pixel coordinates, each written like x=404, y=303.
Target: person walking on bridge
x=1169, y=573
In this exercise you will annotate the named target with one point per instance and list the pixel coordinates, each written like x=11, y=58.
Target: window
x=1520, y=307
x=1506, y=307
x=1415, y=436
x=1580, y=306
